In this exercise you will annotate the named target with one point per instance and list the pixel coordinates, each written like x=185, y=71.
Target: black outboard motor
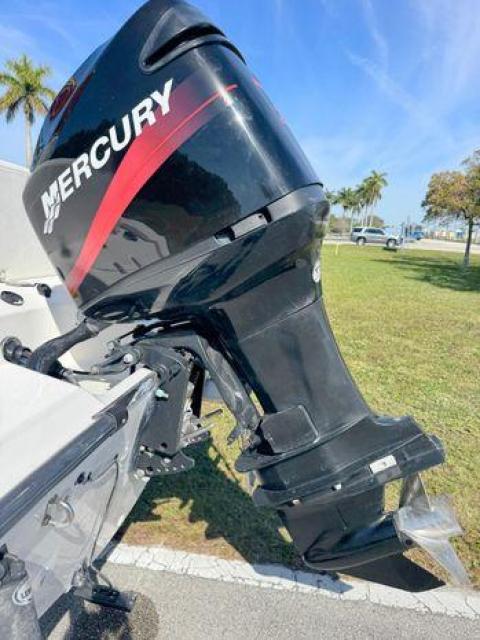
x=168, y=191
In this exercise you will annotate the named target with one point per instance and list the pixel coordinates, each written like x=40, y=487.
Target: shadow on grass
x=217, y=498
x=439, y=271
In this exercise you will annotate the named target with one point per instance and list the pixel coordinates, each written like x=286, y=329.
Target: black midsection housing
x=321, y=456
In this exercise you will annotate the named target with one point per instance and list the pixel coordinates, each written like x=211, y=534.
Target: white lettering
x=65, y=181
x=80, y=168
x=51, y=206
x=163, y=99
x=95, y=161
x=143, y=112
x=127, y=134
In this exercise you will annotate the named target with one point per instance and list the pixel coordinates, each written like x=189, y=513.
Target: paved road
x=427, y=244
x=181, y=607
x=443, y=245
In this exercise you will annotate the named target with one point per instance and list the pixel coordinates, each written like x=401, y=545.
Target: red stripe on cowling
x=145, y=156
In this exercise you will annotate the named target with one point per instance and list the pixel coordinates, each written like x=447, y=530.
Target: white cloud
x=376, y=35
x=443, y=50
x=12, y=41
x=423, y=114
x=46, y=23
x=339, y=159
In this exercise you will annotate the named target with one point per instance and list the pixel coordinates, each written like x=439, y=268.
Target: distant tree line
x=358, y=204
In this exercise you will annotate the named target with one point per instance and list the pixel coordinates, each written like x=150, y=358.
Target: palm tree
x=361, y=202
x=373, y=186
x=358, y=205
x=25, y=91
x=331, y=196
x=345, y=198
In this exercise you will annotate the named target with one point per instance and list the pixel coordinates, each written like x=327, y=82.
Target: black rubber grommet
x=44, y=290
x=10, y=297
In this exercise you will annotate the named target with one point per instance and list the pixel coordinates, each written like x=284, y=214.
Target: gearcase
x=178, y=209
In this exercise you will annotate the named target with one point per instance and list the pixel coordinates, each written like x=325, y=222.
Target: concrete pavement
x=443, y=245
x=174, y=606
x=426, y=244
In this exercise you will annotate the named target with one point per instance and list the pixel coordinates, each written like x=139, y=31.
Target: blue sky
x=391, y=85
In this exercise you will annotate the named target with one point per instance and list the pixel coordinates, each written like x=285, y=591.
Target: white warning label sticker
x=382, y=464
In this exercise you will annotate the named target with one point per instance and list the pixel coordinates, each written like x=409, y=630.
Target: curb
x=444, y=600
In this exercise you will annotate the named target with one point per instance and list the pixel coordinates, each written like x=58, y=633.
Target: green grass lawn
x=408, y=325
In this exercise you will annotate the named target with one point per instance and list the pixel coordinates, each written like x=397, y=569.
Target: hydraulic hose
x=45, y=357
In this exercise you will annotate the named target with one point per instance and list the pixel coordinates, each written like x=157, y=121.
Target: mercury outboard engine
x=169, y=193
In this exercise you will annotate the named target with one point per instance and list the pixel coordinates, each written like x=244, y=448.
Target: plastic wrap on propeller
x=430, y=522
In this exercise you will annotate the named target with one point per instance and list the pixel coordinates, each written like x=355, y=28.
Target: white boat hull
x=68, y=480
